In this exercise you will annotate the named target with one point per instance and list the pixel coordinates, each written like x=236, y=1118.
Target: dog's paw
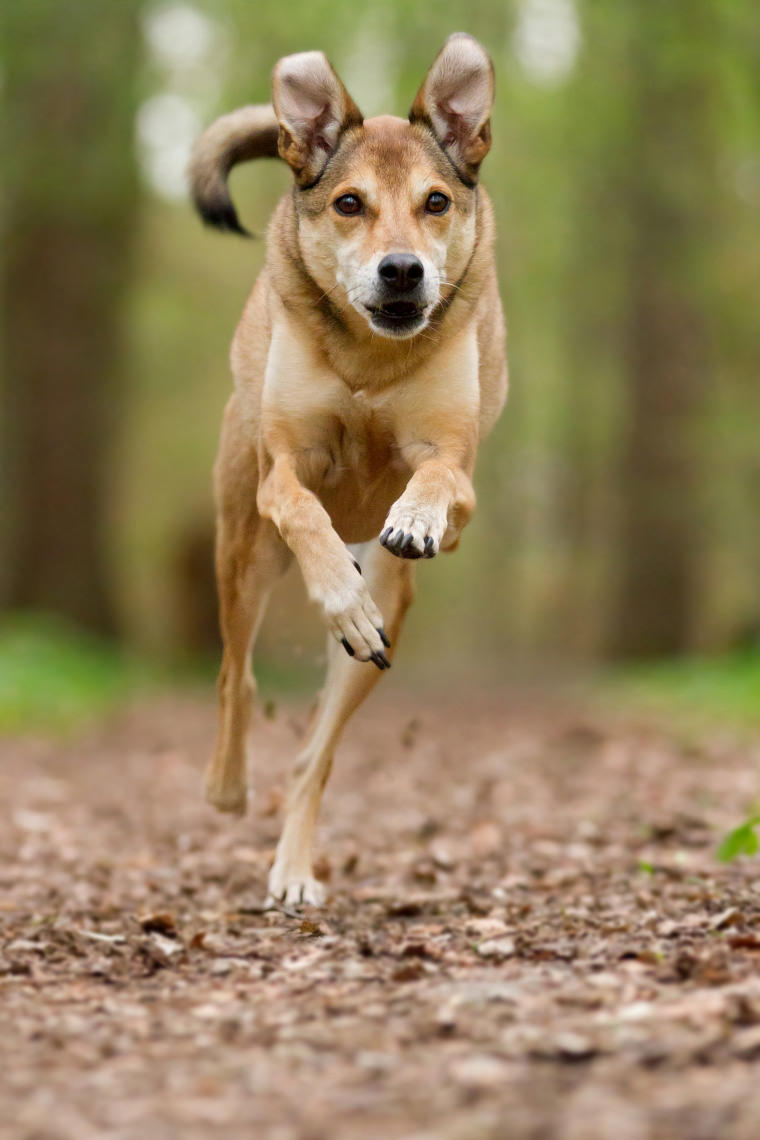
x=412, y=534
x=291, y=888
x=356, y=622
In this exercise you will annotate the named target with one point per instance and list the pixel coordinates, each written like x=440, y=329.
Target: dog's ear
x=313, y=109
x=455, y=101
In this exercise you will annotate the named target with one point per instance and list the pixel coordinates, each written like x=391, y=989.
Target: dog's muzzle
x=400, y=309
x=401, y=295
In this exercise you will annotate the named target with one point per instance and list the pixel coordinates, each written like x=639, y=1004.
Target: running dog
x=368, y=364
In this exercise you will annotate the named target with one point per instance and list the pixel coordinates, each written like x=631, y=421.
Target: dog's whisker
x=328, y=292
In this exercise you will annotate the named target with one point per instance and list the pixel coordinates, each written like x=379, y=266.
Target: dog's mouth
x=396, y=317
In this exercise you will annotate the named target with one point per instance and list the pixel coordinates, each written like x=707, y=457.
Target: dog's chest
x=364, y=446
x=363, y=471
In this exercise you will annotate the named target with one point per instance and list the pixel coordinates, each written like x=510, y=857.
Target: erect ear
x=313, y=109
x=455, y=101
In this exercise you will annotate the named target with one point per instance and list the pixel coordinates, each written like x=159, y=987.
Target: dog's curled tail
x=250, y=132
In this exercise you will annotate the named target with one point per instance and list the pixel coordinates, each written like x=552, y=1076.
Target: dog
x=368, y=364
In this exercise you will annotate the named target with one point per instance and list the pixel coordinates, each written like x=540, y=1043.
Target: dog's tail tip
x=248, y=133
x=219, y=213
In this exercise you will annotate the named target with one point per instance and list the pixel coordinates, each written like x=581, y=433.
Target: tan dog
x=368, y=364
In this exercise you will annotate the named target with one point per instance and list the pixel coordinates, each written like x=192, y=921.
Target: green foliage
x=55, y=678
x=717, y=689
x=741, y=841
x=70, y=90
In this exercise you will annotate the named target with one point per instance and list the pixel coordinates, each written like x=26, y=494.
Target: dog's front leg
x=436, y=504
x=436, y=428
x=333, y=579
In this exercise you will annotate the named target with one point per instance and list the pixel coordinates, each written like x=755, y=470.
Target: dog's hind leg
x=250, y=557
x=347, y=684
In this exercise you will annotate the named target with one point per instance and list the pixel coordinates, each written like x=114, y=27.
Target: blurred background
x=618, y=516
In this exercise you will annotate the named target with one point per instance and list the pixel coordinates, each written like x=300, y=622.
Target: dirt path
x=528, y=936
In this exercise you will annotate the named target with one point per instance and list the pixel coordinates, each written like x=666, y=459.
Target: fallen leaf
x=160, y=923
x=496, y=948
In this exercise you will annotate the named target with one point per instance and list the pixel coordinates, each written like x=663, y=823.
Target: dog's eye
x=349, y=204
x=437, y=203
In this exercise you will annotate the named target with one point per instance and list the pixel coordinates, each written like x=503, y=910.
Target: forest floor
x=527, y=936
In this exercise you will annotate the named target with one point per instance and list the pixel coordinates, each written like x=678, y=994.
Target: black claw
x=408, y=549
x=399, y=543
x=429, y=552
x=384, y=638
x=358, y=567
x=380, y=660
x=348, y=647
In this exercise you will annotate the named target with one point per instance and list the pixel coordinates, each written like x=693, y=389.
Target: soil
x=527, y=934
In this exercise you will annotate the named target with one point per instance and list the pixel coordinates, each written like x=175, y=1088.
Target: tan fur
x=333, y=432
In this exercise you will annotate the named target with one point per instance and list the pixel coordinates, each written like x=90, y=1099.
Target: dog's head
x=386, y=209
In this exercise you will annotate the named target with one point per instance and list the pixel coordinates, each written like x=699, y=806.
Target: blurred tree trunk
x=69, y=221
x=659, y=472
x=667, y=351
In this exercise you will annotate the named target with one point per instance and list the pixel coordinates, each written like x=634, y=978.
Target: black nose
x=401, y=271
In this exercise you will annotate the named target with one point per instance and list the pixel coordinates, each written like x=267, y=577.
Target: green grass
x=741, y=841
x=53, y=677
x=722, y=689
